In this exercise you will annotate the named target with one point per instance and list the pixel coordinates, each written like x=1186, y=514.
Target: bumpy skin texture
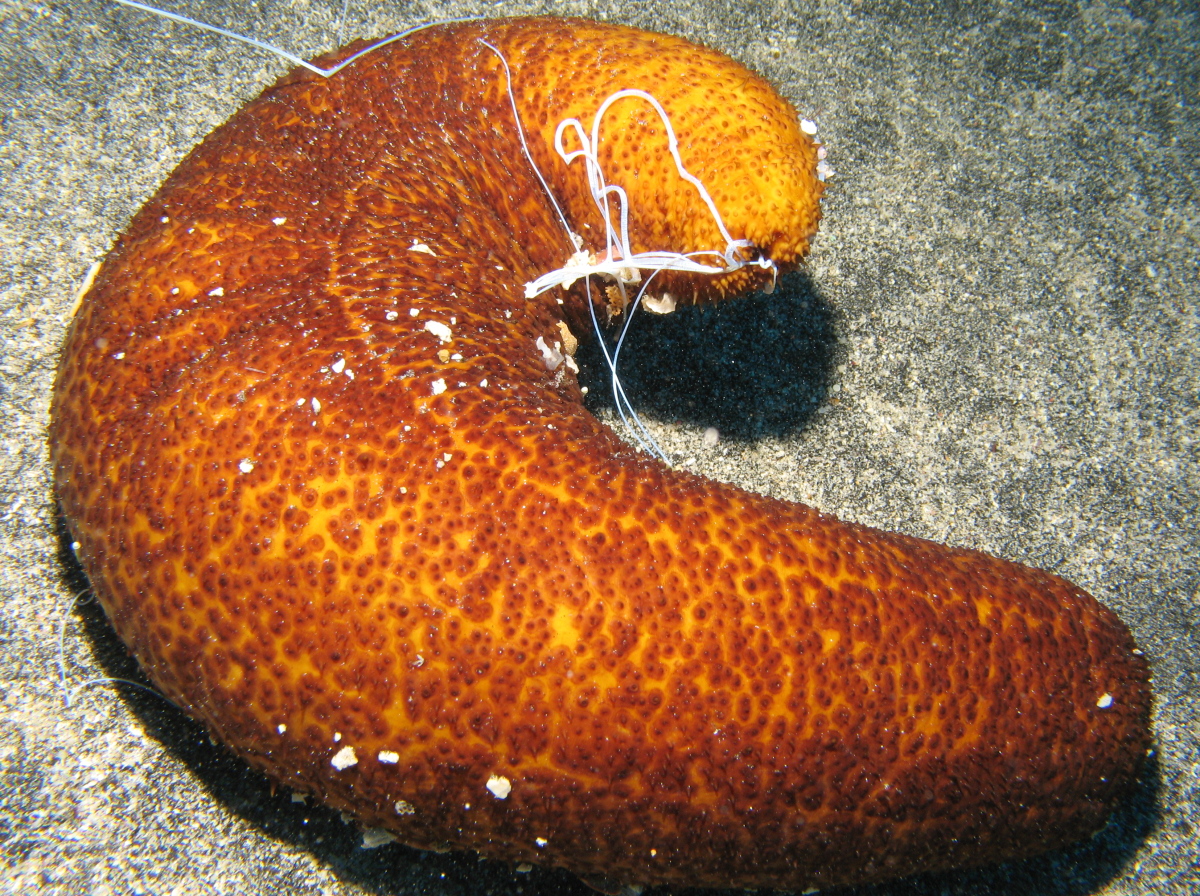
x=318, y=526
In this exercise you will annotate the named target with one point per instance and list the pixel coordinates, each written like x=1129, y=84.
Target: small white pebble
x=413, y=312
x=404, y=807
x=344, y=758
x=165, y=219
x=500, y=786
x=1105, y=701
x=219, y=291
x=808, y=126
x=421, y=247
x=337, y=736
x=392, y=315
x=246, y=466
x=387, y=757
x=119, y=356
x=483, y=384
x=278, y=221
x=338, y=366
x=712, y=436
x=438, y=387
x=281, y=728
x=316, y=405
x=540, y=842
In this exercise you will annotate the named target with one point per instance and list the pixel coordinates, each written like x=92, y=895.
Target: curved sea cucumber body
x=337, y=505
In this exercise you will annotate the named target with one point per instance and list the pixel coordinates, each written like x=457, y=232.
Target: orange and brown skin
x=682, y=682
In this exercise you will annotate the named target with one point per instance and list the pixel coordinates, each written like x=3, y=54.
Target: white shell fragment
x=663, y=304
x=344, y=758
x=500, y=786
x=439, y=329
x=372, y=838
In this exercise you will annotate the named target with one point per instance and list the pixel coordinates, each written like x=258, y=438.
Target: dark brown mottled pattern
x=311, y=547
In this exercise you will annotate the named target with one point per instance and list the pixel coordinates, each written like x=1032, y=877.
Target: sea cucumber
x=341, y=508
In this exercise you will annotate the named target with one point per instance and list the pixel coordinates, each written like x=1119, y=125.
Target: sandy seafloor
x=994, y=345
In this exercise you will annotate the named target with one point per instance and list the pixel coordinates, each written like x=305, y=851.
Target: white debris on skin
x=439, y=329
x=387, y=757
x=438, y=387
x=404, y=807
x=554, y=358
x=418, y=246
x=1105, y=701
x=500, y=786
x=344, y=758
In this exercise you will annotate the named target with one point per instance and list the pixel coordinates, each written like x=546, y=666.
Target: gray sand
x=994, y=346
